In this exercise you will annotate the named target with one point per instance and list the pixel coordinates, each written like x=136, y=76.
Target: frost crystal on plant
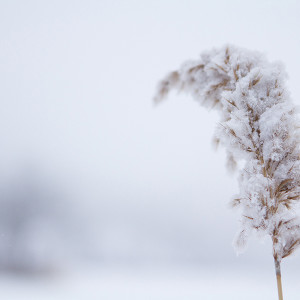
x=259, y=126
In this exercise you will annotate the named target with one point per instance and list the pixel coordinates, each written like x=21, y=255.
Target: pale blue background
x=135, y=185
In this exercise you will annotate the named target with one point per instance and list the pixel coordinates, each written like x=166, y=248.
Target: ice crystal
x=259, y=126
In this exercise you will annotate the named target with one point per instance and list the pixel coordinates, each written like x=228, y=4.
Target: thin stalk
x=278, y=276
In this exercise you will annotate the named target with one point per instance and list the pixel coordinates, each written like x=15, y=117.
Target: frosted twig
x=258, y=125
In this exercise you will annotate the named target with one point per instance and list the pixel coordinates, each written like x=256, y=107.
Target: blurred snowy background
x=103, y=195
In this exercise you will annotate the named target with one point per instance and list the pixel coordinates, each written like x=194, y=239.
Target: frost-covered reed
x=258, y=127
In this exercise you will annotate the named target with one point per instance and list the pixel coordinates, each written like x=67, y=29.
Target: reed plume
x=259, y=128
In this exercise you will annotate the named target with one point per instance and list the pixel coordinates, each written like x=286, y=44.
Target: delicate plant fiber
x=259, y=127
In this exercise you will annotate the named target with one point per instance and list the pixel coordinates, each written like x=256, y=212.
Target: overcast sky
x=76, y=85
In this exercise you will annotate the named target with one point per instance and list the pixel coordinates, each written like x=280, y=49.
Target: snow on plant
x=259, y=127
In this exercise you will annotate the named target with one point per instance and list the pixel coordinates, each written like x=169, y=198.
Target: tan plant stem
x=259, y=125
x=278, y=276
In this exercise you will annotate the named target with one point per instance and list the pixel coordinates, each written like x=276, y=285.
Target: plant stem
x=278, y=276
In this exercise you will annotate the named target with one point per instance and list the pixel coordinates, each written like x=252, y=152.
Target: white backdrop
x=77, y=80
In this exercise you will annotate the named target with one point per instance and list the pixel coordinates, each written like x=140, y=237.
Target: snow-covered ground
x=90, y=169
x=169, y=283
